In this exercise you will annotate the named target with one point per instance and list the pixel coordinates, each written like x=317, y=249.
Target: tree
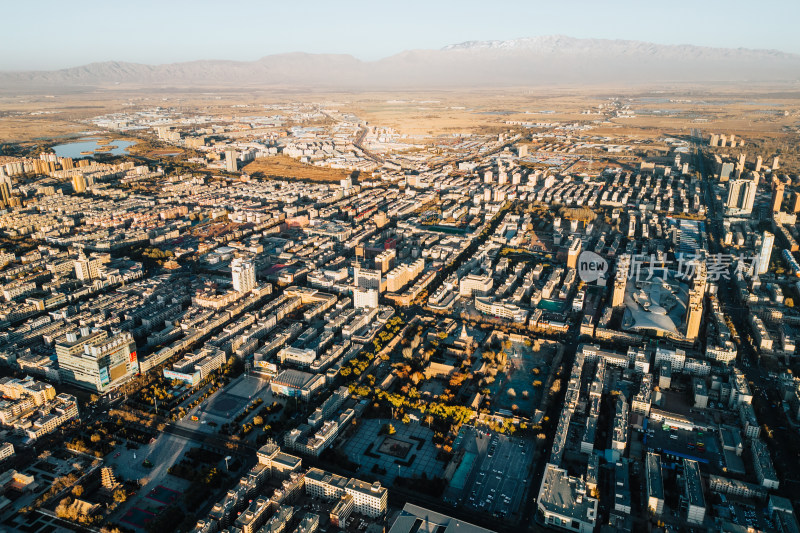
x=120, y=495
x=77, y=491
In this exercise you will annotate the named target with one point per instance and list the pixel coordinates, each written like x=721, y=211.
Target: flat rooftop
x=694, y=485
x=321, y=476
x=420, y=520
x=655, y=481
x=564, y=495
x=370, y=489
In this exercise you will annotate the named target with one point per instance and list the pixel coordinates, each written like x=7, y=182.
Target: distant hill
x=547, y=60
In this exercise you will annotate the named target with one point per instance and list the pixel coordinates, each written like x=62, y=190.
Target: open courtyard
x=408, y=453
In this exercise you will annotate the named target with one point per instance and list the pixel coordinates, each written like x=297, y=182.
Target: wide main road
x=359, y=143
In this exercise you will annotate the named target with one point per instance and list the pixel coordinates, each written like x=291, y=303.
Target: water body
x=74, y=149
x=552, y=305
x=448, y=229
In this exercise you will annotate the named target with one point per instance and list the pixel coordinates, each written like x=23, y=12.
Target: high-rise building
x=777, y=196
x=5, y=194
x=366, y=278
x=621, y=280
x=740, y=162
x=87, y=268
x=231, y=161
x=573, y=252
x=78, y=183
x=775, y=163
x=694, y=313
x=725, y=170
x=243, y=273
x=767, y=242
x=385, y=260
x=741, y=196
x=365, y=298
x=795, y=202
x=5, y=189
x=694, y=316
x=759, y=162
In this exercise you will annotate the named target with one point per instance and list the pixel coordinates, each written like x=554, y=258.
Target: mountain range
x=537, y=61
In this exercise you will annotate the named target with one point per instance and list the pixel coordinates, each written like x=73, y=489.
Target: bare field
x=755, y=111
x=26, y=129
x=748, y=113
x=282, y=166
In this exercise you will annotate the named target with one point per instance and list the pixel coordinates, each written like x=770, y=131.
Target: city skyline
x=284, y=316
x=345, y=267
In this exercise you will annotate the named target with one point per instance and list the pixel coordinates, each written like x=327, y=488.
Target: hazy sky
x=41, y=34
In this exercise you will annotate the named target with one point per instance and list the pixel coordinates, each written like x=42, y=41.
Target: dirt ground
x=285, y=167
x=754, y=111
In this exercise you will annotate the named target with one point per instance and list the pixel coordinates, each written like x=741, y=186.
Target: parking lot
x=499, y=479
x=701, y=446
x=750, y=517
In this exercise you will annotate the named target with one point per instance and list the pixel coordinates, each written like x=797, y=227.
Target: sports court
x=162, y=494
x=138, y=518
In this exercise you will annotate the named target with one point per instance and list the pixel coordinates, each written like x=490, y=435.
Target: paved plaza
x=223, y=406
x=365, y=448
x=163, y=453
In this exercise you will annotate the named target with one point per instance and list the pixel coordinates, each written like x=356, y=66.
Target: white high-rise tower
x=244, y=274
x=767, y=241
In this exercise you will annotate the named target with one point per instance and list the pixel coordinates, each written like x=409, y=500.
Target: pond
x=75, y=149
